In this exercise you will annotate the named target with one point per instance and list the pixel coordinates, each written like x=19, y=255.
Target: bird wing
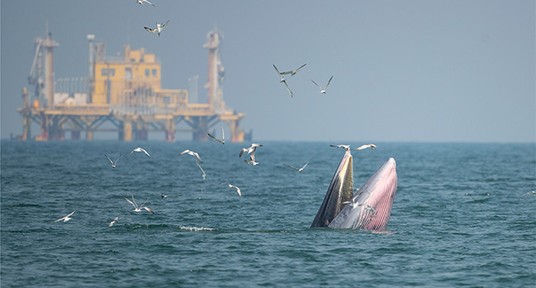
x=329, y=81
x=315, y=83
x=145, y=151
x=303, y=167
x=290, y=166
x=164, y=24
x=149, y=29
x=222, y=135
x=131, y=203
x=277, y=70
x=112, y=162
x=242, y=151
x=300, y=67
x=288, y=88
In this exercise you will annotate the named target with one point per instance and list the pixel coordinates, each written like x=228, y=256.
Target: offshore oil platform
x=122, y=95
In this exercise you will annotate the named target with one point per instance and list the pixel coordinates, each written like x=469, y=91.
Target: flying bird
x=141, y=2
x=116, y=219
x=137, y=208
x=342, y=146
x=322, y=89
x=114, y=163
x=192, y=153
x=236, y=189
x=300, y=170
x=365, y=146
x=222, y=140
x=158, y=29
x=140, y=150
x=251, y=152
x=283, y=80
x=66, y=217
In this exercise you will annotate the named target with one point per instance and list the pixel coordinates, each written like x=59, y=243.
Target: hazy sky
x=403, y=70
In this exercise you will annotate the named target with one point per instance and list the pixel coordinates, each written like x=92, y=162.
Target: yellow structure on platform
x=124, y=94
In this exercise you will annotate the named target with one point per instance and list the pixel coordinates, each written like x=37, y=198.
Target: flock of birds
x=323, y=89
x=250, y=151
x=282, y=79
x=250, y=159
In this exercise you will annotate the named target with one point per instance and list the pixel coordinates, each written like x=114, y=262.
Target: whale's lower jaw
x=340, y=190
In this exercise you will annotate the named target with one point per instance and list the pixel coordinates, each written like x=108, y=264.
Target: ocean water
x=464, y=215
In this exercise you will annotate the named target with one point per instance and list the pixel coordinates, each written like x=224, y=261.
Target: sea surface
x=463, y=215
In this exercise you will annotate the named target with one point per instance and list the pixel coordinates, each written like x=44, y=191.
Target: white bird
x=140, y=150
x=137, y=208
x=158, y=29
x=192, y=153
x=294, y=71
x=163, y=196
x=284, y=81
x=236, y=189
x=116, y=219
x=345, y=147
x=365, y=146
x=114, y=163
x=145, y=1
x=250, y=150
x=300, y=170
x=222, y=140
x=322, y=89
x=66, y=217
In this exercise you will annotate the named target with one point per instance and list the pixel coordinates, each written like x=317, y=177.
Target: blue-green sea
x=463, y=215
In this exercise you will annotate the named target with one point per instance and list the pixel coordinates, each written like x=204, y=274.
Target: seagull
x=114, y=163
x=250, y=150
x=145, y=1
x=283, y=80
x=137, y=208
x=365, y=146
x=192, y=153
x=116, y=219
x=140, y=150
x=158, y=29
x=236, y=188
x=300, y=170
x=163, y=196
x=345, y=147
x=222, y=140
x=66, y=217
x=293, y=72
x=323, y=89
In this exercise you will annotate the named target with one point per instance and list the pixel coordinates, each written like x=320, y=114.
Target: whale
x=369, y=209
